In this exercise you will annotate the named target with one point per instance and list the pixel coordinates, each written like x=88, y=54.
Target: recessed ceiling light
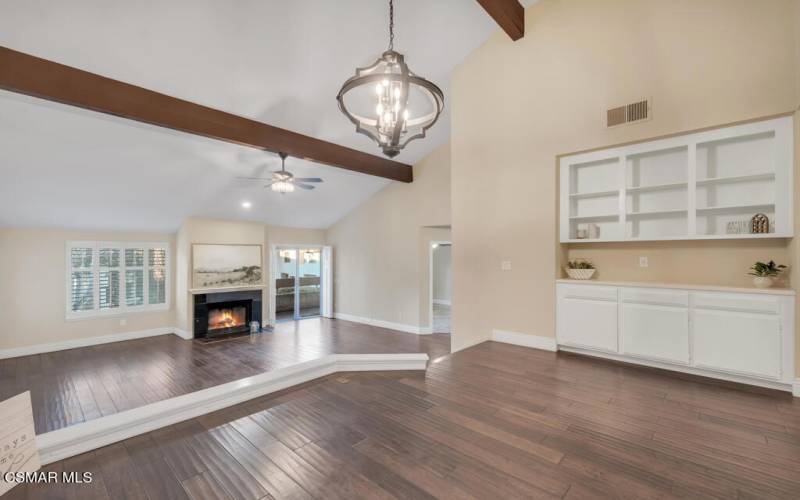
x=246, y=204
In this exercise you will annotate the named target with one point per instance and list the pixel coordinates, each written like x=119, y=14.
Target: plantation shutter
x=110, y=282
x=134, y=277
x=157, y=276
x=82, y=278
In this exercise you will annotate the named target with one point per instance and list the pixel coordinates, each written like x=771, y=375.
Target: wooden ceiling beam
x=33, y=76
x=509, y=14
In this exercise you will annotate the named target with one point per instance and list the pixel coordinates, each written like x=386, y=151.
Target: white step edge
x=87, y=436
x=524, y=340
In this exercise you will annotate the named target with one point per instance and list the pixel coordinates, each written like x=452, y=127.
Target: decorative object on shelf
x=581, y=233
x=759, y=224
x=764, y=273
x=580, y=269
x=400, y=93
x=738, y=227
x=226, y=266
x=594, y=231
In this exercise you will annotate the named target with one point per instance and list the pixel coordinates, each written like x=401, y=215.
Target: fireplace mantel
x=197, y=291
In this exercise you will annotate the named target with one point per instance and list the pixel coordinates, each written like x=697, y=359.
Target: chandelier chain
x=391, y=24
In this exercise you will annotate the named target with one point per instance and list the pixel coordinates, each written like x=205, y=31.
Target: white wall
x=442, y=270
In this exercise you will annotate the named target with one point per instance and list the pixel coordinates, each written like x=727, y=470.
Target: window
x=116, y=277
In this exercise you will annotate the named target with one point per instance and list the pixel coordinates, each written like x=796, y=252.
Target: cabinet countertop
x=680, y=286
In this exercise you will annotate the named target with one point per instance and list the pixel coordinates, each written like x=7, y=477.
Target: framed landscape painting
x=226, y=266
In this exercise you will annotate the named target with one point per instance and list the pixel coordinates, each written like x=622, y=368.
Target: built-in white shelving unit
x=704, y=185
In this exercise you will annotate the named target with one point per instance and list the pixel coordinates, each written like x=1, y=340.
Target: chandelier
x=388, y=103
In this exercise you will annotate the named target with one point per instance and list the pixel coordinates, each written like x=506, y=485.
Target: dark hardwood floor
x=493, y=421
x=69, y=387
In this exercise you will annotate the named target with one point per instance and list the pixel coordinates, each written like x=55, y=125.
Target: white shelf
x=657, y=187
x=654, y=213
x=596, y=194
x=736, y=178
x=667, y=185
x=595, y=217
x=736, y=208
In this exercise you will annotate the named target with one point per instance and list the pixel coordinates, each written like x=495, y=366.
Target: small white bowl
x=580, y=274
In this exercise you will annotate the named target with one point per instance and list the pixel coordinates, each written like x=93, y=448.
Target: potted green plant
x=765, y=272
x=580, y=269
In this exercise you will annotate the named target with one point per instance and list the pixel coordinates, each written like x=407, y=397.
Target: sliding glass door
x=298, y=273
x=309, y=280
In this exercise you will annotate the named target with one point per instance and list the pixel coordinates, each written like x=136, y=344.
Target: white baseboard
x=183, y=334
x=796, y=388
x=781, y=386
x=90, y=341
x=418, y=330
x=81, y=438
x=442, y=302
x=524, y=340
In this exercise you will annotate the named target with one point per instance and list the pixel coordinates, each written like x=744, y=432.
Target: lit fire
x=226, y=318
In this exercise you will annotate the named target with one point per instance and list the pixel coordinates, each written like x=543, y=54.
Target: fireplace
x=217, y=314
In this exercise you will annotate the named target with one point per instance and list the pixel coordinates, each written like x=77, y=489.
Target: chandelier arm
x=404, y=87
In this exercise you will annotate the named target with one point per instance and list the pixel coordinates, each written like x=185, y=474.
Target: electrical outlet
x=643, y=262
x=505, y=265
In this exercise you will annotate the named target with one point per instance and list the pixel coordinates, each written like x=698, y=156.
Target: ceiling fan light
x=282, y=187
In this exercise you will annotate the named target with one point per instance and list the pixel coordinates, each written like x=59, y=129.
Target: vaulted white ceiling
x=276, y=61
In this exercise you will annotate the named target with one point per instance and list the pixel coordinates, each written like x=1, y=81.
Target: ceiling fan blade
x=304, y=186
x=308, y=179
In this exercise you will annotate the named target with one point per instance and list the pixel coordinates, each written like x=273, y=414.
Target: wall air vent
x=634, y=112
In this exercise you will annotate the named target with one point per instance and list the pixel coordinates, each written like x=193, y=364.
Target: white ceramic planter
x=580, y=274
x=762, y=281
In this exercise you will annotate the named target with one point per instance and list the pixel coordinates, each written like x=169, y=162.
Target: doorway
x=298, y=287
x=441, y=289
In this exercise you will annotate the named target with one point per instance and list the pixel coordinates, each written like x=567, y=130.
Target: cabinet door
x=588, y=323
x=659, y=333
x=737, y=342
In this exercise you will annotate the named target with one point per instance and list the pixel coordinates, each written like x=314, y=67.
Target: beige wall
x=200, y=230
x=380, y=248
x=517, y=105
x=33, y=290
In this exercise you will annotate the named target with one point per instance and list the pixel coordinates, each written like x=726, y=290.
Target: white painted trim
x=81, y=438
x=781, y=386
x=525, y=340
x=183, y=334
x=796, y=388
x=90, y=341
x=442, y=302
x=418, y=330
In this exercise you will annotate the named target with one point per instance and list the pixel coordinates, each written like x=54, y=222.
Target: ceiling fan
x=283, y=181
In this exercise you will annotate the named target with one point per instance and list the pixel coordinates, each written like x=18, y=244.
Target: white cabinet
x=588, y=317
x=703, y=185
x=745, y=337
x=660, y=333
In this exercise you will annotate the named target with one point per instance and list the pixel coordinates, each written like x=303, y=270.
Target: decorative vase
x=580, y=274
x=762, y=281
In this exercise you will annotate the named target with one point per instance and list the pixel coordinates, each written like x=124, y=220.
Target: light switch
x=643, y=262
x=505, y=265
